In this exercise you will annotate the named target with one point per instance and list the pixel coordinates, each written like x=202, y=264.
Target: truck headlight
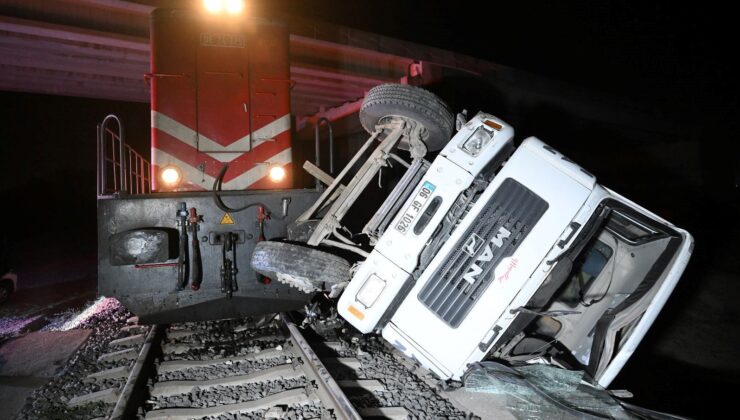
x=477, y=141
x=370, y=291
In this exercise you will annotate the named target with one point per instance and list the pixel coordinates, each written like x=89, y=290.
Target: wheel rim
x=403, y=144
x=3, y=294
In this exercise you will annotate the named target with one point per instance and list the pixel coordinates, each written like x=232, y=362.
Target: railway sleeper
x=289, y=397
x=167, y=388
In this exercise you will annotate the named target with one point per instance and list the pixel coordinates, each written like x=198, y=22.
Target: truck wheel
x=413, y=103
x=304, y=268
x=302, y=231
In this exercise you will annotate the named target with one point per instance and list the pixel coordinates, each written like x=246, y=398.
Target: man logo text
x=487, y=255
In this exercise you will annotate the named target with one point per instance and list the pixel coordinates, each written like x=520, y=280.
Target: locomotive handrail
x=317, y=139
x=103, y=156
x=130, y=171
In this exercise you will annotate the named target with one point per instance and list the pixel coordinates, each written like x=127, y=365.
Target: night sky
x=659, y=51
x=670, y=61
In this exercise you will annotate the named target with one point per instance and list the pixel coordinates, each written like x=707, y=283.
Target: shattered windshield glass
x=544, y=392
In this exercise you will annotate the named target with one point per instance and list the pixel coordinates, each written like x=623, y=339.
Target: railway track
x=264, y=368
x=231, y=368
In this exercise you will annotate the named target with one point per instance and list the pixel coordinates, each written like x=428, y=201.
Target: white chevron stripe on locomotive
x=241, y=182
x=221, y=153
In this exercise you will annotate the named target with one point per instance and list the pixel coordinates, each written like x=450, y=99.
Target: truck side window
x=586, y=270
x=628, y=228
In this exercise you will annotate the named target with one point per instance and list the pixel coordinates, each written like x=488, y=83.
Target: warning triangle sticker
x=227, y=220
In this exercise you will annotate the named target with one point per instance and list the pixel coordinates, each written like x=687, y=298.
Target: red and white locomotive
x=221, y=167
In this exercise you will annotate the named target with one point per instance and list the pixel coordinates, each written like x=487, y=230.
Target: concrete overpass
x=100, y=49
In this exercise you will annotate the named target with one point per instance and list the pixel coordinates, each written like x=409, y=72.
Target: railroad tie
x=290, y=397
x=349, y=362
x=109, y=395
x=114, y=373
x=129, y=341
x=176, y=365
x=335, y=345
x=134, y=329
x=180, y=348
x=125, y=354
x=166, y=388
x=392, y=413
x=371, y=385
x=172, y=334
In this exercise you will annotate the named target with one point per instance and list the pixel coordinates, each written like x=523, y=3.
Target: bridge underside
x=100, y=49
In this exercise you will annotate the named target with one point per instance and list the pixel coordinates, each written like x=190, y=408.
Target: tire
x=413, y=103
x=302, y=231
x=302, y=267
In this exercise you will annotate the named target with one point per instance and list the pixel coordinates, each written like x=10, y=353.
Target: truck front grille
x=497, y=232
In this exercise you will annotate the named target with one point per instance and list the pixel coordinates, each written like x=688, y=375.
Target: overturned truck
x=488, y=250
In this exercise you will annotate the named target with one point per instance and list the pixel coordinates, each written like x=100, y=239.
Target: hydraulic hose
x=217, y=198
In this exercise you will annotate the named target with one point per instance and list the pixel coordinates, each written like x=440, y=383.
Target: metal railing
x=317, y=142
x=120, y=169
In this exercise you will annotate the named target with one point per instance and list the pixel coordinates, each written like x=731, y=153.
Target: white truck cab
x=391, y=266
x=507, y=248
x=487, y=251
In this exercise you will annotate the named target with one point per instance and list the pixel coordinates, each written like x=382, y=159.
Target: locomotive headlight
x=370, y=291
x=477, y=141
x=234, y=6
x=213, y=6
x=170, y=176
x=276, y=173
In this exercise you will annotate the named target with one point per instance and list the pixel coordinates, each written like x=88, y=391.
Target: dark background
x=643, y=95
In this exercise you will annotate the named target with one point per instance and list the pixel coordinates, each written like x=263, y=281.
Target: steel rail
x=126, y=401
x=343, y=407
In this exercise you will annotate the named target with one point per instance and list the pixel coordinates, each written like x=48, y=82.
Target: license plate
x=415, y=207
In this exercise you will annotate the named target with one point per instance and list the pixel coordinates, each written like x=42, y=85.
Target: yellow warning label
x=227, y=220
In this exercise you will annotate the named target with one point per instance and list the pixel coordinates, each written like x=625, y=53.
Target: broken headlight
x=370, y=291
x=477, y=141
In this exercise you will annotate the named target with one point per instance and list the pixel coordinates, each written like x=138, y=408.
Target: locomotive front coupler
x=196, y=273
x=228, y=267
x=183, y=261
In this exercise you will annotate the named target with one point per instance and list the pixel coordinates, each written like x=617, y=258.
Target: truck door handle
x=483, y=345
x=573, y=229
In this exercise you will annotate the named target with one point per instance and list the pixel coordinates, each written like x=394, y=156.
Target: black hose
x=219, y=202
x=196, y=271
